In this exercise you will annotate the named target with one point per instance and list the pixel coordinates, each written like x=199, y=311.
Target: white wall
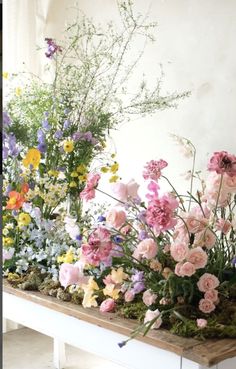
x=196, y=46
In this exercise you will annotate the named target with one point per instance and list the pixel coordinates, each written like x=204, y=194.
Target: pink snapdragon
x=152, y=169
x=160, y=213
x=89, y=191
x=207, y=282
x=99, y=247
x=222, y=162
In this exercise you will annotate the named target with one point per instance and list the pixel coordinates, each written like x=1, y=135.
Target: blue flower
x=122, y=344
x=101, y=218
x=79, y=237
x=66, y=124
x=42, y=147
x=58, y=135
x=46, y=125
x=118, y=239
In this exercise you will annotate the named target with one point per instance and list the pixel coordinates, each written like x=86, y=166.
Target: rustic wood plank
x=208, y=353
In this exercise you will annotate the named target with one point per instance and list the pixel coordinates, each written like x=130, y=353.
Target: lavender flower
x=6, y=119
x=66, y=124
x=46, y=125
x=42, y=147
x=52, y=48
x=58, y=135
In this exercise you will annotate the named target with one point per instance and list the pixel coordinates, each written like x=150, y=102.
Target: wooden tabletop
x=206, y=353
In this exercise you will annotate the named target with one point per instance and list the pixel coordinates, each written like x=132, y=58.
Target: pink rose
x=149, y=297
x=68, y=274
x=116, y=218
x=206, y=306
x=197, y=257
x=223, y=225
x=129, y=296
x=211, y=295
x=201, y=323
x=179, y=251
x=146, y=249
x=150, y=315
x=207, y=282
x=187, y=269
x=107, y=305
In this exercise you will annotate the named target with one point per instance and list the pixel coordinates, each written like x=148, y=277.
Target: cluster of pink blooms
x=152, y=169
x=89, y=191
x=208, y=284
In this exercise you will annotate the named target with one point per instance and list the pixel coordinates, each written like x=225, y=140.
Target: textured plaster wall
x=196, y=47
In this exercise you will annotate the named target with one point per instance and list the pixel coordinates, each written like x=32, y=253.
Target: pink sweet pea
x=89, y=191
x=68, y=274
x=123, y=192
x=116, y=217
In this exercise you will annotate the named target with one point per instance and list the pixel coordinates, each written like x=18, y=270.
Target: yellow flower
x=114, y=179
x=74, y=174
x=7, y=241
x=118, y=275
x=114, y=167
x=73, y=184
x=5, y=75
x=111, y=291
x=104, y=169
x=18, y=91
x=89, y=299
x=92, y=285
x=24, y=219
x=32, y=157
x=81, y=169
x=83, y=178
x=68, y=146
x=53, y=173
x=66, y=258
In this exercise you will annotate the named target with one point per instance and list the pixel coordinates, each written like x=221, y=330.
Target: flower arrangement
x=167, y=260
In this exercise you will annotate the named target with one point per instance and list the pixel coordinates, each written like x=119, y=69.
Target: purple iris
x=58, y=135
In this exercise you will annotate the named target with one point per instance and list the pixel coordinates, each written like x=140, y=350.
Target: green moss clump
x=133, y=310
x=63, y=295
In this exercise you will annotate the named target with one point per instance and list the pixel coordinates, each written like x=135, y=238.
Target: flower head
x=152, y=169
x=16, y=200
x=68, y=146
x=223, y=162
x=32, y=158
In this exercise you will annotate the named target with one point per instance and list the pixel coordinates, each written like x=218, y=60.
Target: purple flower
x=234, y=261
x=31, y=185
x=14, y=151
x=52, y=48
x=5, y=152
x=58, y=135
x=15, y=213
x=46, y=113
x=8, y=189
x=121, y=344
x=138, y=287
x=77, y=136
x=137, y=276
x=40, y=136
x=66, y=124
x=142, y=216
x=46, y=125
x=6, y=119
x=142, y=235
x=42, y=147
x=101, y=218
x=117, y=239
x=137, y=279
x=79, y=237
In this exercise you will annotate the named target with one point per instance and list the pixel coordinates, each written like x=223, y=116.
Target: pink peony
x=146, y=249
x=116, y=218
x=150, y=315
x=123, y=192
x=207, y=282
x=223, y=225
x=107, y=305
x=179, y=251
x=149, y=297
x=197, y=257
x=206, y=306
x=223, y=162
x=68, y=274
x=152, y=169
x=160, y=213
x=211, y=295
x=129, y=295
x=187, y=269
x=201, y=323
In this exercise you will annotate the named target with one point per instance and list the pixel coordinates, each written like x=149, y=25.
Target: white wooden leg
x=188, y=364
x=4, y=325
x=9, y=325
x=59, y=354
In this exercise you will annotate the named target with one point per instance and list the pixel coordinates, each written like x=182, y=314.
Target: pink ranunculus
x=201, y=323
x=149, y=297
x=211, y=295
x=206, y=306
x=68, y=274
x=197, y=257
x=207, y=282
x=116, y=217
x=187, y=269
x=223, y=225
x=223, y=162
x=150, y=315
x=160, y=213
x=146, y=249
x=107, y=305
x=129, y=296
x=179, y=251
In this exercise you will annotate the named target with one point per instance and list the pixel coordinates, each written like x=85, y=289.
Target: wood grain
x=207, y=353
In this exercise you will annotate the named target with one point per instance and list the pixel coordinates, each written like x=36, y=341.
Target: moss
x=63, y=295
x=49, y=287
x=133, y=310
